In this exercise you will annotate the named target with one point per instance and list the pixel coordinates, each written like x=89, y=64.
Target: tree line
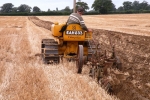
x=98, y=7
x=135, y=6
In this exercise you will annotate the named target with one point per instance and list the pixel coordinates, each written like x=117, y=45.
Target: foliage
x=135, y=6
x=24, y=8
x=113, y=7
x=67, y=9
x=144, y=5
x=48, y=10
x=120, y=8
x=82, y=4
x=36, y=9
x=103, y=6
x=14, y=10
x=127, y=5
x=56, y=9
x=7, y=8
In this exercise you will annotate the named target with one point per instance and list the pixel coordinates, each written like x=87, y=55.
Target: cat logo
x=74, y=32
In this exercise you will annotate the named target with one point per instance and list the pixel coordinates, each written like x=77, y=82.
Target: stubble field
x=23, y=76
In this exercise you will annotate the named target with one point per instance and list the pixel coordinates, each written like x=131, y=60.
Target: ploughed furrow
x=134, y=53
x=41, y=23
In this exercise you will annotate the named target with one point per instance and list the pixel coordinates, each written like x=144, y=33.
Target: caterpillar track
x=49, y=50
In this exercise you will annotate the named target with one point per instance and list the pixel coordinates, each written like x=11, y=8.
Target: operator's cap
x=80, y=9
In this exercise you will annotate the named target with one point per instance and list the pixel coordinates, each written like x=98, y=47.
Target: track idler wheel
x=79, y=62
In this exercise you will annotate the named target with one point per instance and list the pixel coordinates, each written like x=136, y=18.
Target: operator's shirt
x=75, y=18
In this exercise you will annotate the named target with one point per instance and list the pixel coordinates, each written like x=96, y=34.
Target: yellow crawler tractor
x=72, y=43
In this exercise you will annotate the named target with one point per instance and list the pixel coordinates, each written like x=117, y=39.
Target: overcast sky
x=44, y=5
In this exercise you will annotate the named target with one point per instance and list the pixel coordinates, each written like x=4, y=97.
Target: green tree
x=67, y=9
x=113, y=7
x=7, y=8
x=82, y=4
x=48, y=10
x=120, y=8
x=36, y=9
x=148, y=7
x=144, y=5
x=127, y=5
x=24, y=8
x=56, y=9
x=14, y=10
x=136, y=5
x=103, y=6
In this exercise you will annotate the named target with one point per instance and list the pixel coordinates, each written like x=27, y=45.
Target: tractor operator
x=76, y=18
